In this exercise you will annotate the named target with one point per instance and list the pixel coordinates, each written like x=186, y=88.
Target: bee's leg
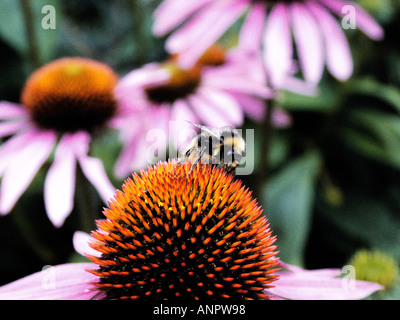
x=197, y=160
x=183, y=160
x=185, y=157
x=230, y=169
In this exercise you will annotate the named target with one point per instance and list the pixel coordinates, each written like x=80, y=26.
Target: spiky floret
x=170, y=234
x=70, y=94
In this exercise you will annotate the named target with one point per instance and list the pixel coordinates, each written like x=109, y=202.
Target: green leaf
x=374, y=134
x=371, y=87
x=288, y=201
x=12, y=27
x=368, y=221
x=326, y=100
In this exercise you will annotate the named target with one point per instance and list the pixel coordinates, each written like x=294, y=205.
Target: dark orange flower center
x=213, y=56
x=183, y=82
x=171, y=234
x=71, y=94
x=180, y=84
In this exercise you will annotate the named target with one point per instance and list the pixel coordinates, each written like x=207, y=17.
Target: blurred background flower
x=268, y=26
x=68, y=99
x=333, y=179
x=219, y=90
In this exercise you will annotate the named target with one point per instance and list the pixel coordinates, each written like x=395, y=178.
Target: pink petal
x=157, y=133
x=224, y=108
x=11, y=127
x=129, y=91
x=296, y=85
x=11, y=147
x=150, y=74
x=92, y=168
x=280, y=118
x=170, y=13
x=131, y=126
x=251, y=32
x=62, y=282
x=244, y=84
x=183, y=131
x=309, y=43
x=81, y=242
x=338, y=55
x=323, y=284
x=26, y=163
x=10, y=110
x=364, y=21
x=278, y=48
x=303, y=286
x=160, y=116
x=254, y=108
x=132, y=157
x=203, y=31
x=59, y=186
x=94, y=171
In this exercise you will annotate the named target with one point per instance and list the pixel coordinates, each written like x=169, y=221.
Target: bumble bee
x=223, y=146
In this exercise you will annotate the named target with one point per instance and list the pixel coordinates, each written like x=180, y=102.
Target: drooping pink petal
x=280, y=118
x=205, y=113
x=278, y=46
x=183, y=131
x=133, y=154
x=94, y=171
x=309, y=42
x=11, y=147
x=157, y=133
x=92, y=168
x=132, y=157
x=160, y=114
x=9, y=110
x=81, y=242
x=253, y=107
x=62, y=282
x=129, y=91
x=59, y=185
x=299, y=86
x=364, y=21
x=338, y=56
x=149, y=75
x=222, y=107
x=244, y=84
x=203, y=30
x=251, y=32
x=11, y=127
x=165, y=21
x=22, y=169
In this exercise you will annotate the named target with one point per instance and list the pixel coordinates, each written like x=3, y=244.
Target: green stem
x=86, y=202
x=139, y=31
x=35, y=243
x=30, y=33
x=265, y=144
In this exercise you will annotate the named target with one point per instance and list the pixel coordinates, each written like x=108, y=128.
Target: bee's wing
x=211, y=131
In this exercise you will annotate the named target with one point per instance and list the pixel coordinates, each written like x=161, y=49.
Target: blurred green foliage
x=334, y=182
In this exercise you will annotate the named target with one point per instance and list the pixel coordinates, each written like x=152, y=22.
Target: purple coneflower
x=171, y=234
x=268, y=26
x=63, y=103
x=220, y=89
